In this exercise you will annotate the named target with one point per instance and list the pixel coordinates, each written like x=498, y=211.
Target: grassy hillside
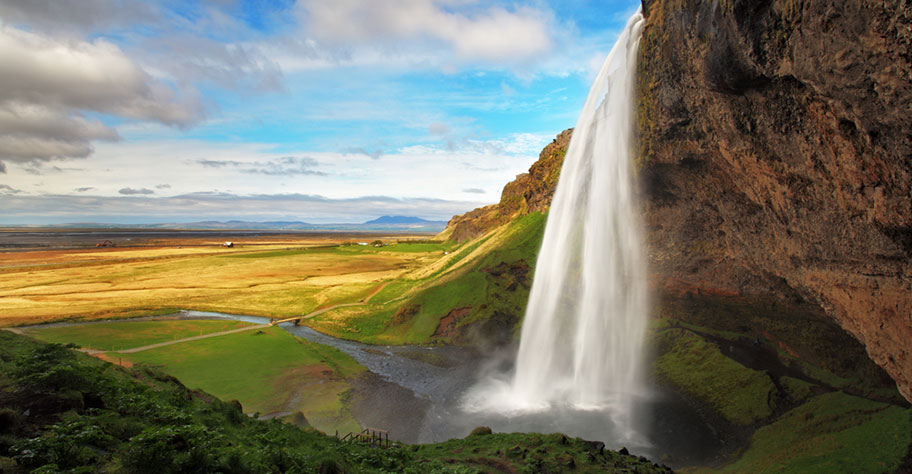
x=476, y=288
x=269, y=371
x=64, y=412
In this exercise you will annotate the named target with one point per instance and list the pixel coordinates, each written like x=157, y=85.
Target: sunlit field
x=266, y=278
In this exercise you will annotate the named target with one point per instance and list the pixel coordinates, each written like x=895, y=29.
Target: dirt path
x=232, y=331
x=188, y=339
x=336, y=306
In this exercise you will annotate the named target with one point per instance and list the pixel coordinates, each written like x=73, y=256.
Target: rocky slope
x=529, y=192
x=776, y=147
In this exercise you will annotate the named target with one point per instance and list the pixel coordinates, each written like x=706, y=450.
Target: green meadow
x=269, y=371
x=112, y=336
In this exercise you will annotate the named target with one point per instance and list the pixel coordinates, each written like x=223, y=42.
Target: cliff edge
x=776, y=148
x=529, y=192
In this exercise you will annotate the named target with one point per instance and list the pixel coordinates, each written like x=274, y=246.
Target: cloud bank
x=139, y=207
x=472, y=34
x=56, y=81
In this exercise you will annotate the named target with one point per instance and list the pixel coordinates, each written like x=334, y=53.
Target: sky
x=322, y=111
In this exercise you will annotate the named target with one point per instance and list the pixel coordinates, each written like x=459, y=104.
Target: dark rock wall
x=776, y=151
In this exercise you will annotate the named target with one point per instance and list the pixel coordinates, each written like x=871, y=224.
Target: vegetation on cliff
x=529, y=192
x=780, y=401
x=474, y=293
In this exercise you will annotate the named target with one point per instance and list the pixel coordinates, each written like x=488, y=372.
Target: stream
x=441, y=376
x=418, y=395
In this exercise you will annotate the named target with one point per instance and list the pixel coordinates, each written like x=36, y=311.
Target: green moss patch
x=496, y=287
x=807, y=340
x=699, y=369
x=833, y=432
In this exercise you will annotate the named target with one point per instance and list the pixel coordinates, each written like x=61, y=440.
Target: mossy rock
x=699, y=369
x=481, y=430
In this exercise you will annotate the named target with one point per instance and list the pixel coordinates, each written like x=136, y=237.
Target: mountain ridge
x=415, y=224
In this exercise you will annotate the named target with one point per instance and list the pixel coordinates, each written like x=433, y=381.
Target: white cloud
x=18, y=208
x=30, y=132
x=135, y=191
x=239, y=168
x=27, y=148
x=54, y=79
x=7, y=189
x=438, y=128
x=70, y=17
x=517, y=144
x=281, y=166
x=86, y=75
x=45, y=122
x=490, y=35
x=189, y=58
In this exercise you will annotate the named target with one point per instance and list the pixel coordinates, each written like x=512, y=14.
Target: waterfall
x=582, y=336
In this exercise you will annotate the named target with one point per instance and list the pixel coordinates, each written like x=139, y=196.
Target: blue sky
x=314, y=110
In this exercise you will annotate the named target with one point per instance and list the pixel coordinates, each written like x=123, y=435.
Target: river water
x=431, y=383
x=440, y=376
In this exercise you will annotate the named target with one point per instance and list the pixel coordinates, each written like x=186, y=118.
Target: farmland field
x=275, y=276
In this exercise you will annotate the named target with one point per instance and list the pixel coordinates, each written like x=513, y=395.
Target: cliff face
x=776, y=144
x=529, y=192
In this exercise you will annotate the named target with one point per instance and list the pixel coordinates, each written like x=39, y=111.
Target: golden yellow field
x=267, y=277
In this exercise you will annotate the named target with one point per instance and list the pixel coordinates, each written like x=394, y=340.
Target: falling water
x=582, y=336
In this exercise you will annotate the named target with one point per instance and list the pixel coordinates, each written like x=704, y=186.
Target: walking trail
x=232, y=331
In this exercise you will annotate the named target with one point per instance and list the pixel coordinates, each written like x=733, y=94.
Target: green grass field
x=268, y=371
x=112, y=336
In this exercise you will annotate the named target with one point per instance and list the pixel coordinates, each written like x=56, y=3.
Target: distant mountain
x=385, y=223
x=402, y=220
